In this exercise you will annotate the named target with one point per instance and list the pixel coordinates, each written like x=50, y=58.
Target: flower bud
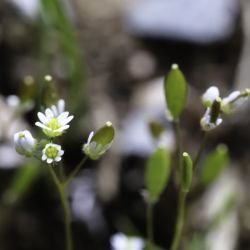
x=99, y=142
x=209, y=96
x=24, y=142
x=187, y=172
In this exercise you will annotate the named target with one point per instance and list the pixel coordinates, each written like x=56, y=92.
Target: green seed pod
x=175, y=88
x=187, y=172
x=157, y=173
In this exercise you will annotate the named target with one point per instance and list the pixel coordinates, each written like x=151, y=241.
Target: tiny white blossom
x=210, y=95
x=231, y=103
x=206, y=123
x=54, y=120
x=24, y=142
x=52, y=153
x=120, y=241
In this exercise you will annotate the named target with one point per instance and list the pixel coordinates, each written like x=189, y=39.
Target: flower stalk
x=54, y=122
x=179, y=221
x=65, y=205
x=150, y=225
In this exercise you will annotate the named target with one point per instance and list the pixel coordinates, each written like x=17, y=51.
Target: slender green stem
x=61, y=190
x=177, y=130
x=179, y=221
x=150, y=225
x=177, y=171
x=76, y=170
x=61, y=171
x=55, y=178
x=200, y=150
x=182, y=196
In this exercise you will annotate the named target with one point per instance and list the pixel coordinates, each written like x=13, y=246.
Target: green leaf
x=58, y=30
x=187, y=172
x=21, y=183
x=214, y=164
x=157, y=173
x=197, y=243
x=175, y=91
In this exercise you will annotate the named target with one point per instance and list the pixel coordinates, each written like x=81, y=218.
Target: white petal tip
x=174, y=66
x=48, y=78
x=108, y=123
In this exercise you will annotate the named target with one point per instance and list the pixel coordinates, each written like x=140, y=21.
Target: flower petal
x=60, y=106
x=66, y=120
x=58, y=158
x=49, y=113
x=49, y=160
x=61, y=129
x=62, y=116
x=54, y=109
x=39, y=124
x=42, y=117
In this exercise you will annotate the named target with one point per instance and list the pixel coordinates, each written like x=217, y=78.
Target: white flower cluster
x=54, y=121
x=216, y=105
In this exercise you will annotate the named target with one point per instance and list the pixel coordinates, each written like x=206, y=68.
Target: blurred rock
x=28, y=7
x=11, y=122
x=141, y=65
x=9, y=157
x=148, y=104
x=219, y=211
x=198, y=21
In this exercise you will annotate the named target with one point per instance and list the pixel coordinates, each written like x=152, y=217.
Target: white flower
x=98, y=143
x=55, y=120
x=210, y=95
x=206, y=123
x=24, y=142
x=231, y=103
x=120, y=241
x=52, y=153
